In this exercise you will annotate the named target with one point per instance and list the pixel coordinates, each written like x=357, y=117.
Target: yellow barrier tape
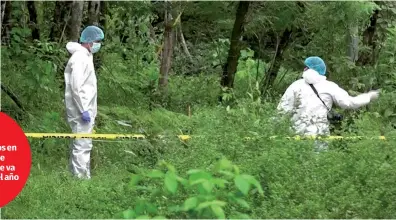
x=184, y=137
x=93, y=136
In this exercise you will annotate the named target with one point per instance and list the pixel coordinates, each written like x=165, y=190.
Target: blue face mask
x=95, y=47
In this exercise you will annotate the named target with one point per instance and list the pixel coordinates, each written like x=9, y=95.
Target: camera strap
x=316, y=92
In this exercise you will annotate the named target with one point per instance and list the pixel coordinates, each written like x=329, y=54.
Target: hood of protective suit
x=73, y=47
x=312, y=77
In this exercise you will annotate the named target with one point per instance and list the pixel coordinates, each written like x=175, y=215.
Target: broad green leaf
x=227, y=173
x=171, y=182
x=242, y=184
x=223, y=164
x=250, y=53
x=169, y=166
x=209, y=203
x=182, y=180
x=236, y=169
x=140, y=207
x=242, y=202
x=240, y=216
x=128, y=214
x=243, y=53
x=208, y=186
x=143, y=217
x=156, y=192
x=218, y=211
x=190, y=203
x=155, y=174
x=199, y=177
x=220, y=182
x=135, y=179
x=192, y=171
x=197, y=182
x=393, y=10
x=254, y=182
x=151, y=208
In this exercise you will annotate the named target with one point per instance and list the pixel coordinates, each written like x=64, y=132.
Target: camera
x=334, y=117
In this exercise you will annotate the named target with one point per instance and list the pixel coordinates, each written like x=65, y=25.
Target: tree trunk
x=272, y=72
x=369, y=40
x=33, y=20
x=93, y=12
x=6, y=25
x=353, y=43
x=166, y=59
x=282, y=44
x=229, y=69
x=13, y=97
x=74, y=24
x=103, y=11
x=183, y=43
x=59, y=21
x=3, y=4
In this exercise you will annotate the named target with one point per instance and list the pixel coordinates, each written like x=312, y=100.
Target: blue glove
x=85, y=117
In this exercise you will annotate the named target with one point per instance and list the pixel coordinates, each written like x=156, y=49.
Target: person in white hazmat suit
x=81, y=97
x=310, y=113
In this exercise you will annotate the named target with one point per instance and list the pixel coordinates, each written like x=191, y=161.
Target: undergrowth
x=353, y=180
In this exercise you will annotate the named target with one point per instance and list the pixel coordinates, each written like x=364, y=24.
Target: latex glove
x=374, y=94
x=85, y=117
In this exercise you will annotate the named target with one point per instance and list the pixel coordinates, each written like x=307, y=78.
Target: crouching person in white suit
x=309, y=101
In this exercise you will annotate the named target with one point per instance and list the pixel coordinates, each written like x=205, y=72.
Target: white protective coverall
x=80, y=96
x=309, y=115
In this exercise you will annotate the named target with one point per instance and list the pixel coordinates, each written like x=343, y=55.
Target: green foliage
x=353, y=180
x=206, y=194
